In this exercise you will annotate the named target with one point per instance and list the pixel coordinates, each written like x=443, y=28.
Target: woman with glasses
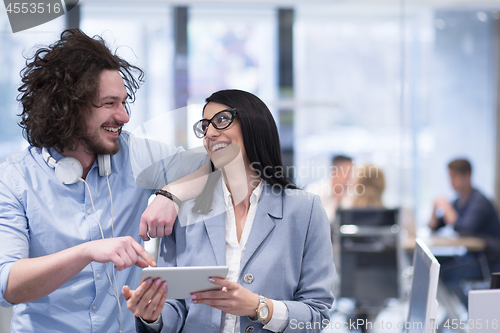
x=274, y=238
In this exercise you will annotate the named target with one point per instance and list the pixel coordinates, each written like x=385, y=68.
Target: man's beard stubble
x=94, y=145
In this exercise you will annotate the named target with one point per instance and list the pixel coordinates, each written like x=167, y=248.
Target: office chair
x=368, y=255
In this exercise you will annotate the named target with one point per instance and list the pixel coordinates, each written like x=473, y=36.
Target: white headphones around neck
x=69, y=170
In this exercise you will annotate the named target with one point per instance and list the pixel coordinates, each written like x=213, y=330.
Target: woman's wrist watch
x=262, y=311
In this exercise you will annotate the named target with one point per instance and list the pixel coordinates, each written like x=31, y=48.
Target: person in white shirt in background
x=335, y=190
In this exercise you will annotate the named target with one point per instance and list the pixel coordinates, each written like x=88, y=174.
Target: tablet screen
x=182, y=281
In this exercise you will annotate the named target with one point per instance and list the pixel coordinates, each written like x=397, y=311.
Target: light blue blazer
x=288, y=255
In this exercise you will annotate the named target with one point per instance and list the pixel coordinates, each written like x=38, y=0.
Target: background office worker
x=333, y=191
x=276, y=241
x=368, y=187
x=471, y=214
x=55, y=236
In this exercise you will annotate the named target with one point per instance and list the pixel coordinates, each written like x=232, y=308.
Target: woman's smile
x=218, y=146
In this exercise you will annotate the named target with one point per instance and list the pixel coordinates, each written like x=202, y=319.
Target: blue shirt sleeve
x=14, y=234
x=156, y=164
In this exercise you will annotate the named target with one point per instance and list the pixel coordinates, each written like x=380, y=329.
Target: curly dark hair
x=60, y=83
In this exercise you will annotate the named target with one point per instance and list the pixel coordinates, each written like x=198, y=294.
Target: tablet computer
x=182, y=281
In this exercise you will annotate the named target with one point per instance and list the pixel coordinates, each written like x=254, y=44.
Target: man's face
x=342, y=174
x=459, y=181
x=105, y=120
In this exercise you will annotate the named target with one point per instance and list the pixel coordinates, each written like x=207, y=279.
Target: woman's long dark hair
x=260, y=138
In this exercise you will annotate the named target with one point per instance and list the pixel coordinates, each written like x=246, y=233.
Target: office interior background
x=405, y=85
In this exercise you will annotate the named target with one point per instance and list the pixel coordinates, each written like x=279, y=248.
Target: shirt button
x=89, y=211
x=94, y=307
x=249, y=329
x=98, y=275
x=248, y=278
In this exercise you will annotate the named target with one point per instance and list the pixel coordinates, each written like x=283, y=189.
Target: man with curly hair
x=58, y=234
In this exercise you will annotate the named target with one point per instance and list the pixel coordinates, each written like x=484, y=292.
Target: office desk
x=437, y=243
x=445, y=241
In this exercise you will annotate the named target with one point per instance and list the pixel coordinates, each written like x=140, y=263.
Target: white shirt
x=234, y=253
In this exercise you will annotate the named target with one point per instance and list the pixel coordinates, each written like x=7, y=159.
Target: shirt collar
x=254, y=197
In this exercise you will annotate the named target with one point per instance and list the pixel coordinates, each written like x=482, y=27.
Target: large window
x=142, y=34
x=406, y=95
x=13, y=50
x=348, y=88
x=231, y=47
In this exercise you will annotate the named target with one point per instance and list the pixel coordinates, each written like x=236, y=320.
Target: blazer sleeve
x=309, y=312
x=174, y=312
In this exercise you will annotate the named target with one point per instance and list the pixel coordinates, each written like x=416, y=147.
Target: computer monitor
x=422, y=314
x=495, y=281
x=367, y=216
x=483, y=311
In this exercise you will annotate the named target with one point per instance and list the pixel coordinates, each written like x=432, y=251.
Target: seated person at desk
x=472, y=214
x=334, y=189
x=368, y=188
x=274, y=237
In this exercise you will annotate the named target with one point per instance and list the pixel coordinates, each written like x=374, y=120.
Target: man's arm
x=159, y=217
x=450, y=215
x=434, y=221
x=33, y=278
x=156, y=164
x=24, y=279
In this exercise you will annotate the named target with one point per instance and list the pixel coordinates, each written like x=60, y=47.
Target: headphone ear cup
x=69, y=170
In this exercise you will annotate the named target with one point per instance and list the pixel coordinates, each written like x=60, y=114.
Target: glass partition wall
x=407, y=89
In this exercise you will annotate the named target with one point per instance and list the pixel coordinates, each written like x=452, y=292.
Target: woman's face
x=223, y=146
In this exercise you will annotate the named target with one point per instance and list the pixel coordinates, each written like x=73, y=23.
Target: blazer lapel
x=216, y=230
x=270, y=208
x=215, y=224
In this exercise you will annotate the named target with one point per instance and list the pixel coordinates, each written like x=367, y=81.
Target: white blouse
x=234, y=254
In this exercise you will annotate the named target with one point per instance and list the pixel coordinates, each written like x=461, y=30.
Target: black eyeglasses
x=220, y=120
